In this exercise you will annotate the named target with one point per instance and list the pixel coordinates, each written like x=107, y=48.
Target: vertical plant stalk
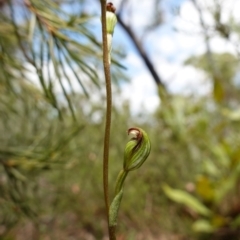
x=107, y=73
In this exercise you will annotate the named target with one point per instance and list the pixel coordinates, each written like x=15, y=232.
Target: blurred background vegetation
x=52, y=121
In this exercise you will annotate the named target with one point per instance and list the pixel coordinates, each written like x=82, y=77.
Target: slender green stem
x=108, y=115
x=120, y=180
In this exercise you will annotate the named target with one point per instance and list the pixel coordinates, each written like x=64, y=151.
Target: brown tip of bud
x=110, y=7
x=138, y=134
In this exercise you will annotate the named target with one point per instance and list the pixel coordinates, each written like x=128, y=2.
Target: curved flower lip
x=136, y=133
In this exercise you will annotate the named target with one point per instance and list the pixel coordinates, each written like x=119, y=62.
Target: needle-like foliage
x=59, y=47
x=49, y=61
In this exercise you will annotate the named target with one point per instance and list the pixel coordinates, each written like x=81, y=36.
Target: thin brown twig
x=142, y=52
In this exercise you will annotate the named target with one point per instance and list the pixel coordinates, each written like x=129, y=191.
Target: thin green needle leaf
x=48, y=91
x=84, y=67
x=63, y=67
x=55, y=64
x=75, y=74
x=50, y=85
x=32, y=26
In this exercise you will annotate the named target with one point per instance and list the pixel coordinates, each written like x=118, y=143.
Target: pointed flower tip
x=110, y=7
x=137, y=149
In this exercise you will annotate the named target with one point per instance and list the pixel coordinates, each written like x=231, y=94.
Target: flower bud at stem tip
x=137, y=149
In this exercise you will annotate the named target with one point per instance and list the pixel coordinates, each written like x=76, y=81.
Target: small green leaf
x=210, y=168
x=186, y=199
x=205, y=188
x=232, y=115
x=218, y=91
x=18, y=175
x=113, y=211
x=203, y=226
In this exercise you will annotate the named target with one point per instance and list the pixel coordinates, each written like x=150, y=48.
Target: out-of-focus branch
x=122, y=3
x=218, y=91
x=209, y=55
x=142, y=52
x=10, y=3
